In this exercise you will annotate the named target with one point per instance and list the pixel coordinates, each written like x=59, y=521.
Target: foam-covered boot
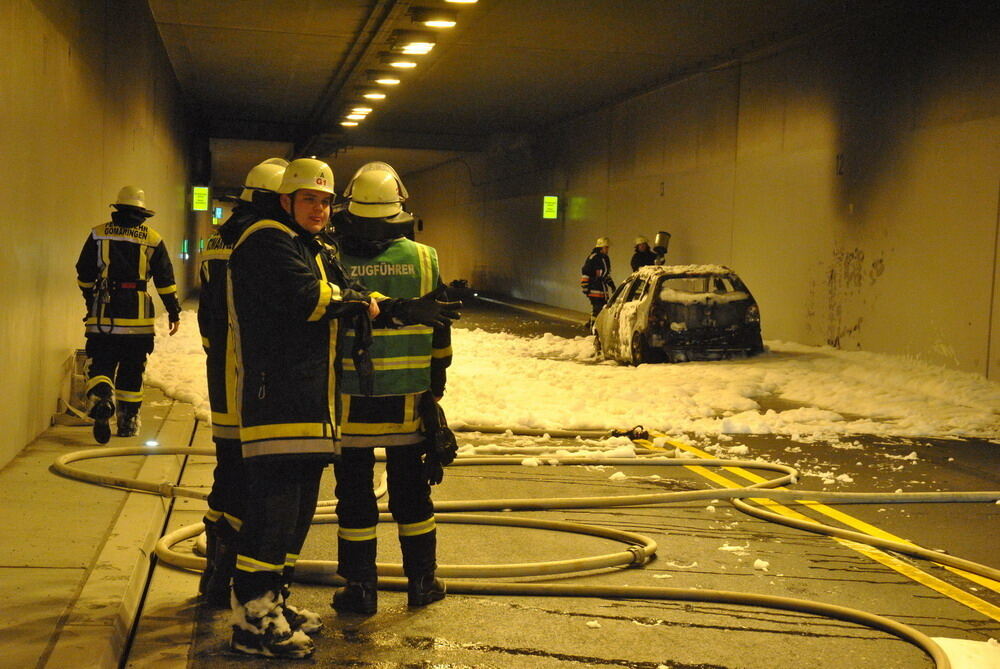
x=424, y=589
x=356, y=597
x=128, y=421
x=260, y=628
x=101, y=410
x=299, y=618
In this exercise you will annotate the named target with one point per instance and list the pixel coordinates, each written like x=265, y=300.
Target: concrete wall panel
x=85, y=110
x=852, y=179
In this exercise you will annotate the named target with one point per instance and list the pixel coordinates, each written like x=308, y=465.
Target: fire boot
x=102, y=408
x=215, y=588
x=356, y=597
x=128, y=420
x=419, y=564
x=300, y=619
x=260, y=628
x=424, y=589
x=356, y=564
x=211, y=546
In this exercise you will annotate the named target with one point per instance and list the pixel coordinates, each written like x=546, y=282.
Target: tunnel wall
x=850, y=177
x=89, y=104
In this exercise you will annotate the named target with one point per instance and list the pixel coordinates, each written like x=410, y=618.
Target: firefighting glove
x=433, y=471
x=433, y=309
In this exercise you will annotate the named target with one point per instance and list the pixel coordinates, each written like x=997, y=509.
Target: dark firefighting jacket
x=113, y=271
x=213, y=320
x=642, y=258
x=595, y=275
x=286, y=299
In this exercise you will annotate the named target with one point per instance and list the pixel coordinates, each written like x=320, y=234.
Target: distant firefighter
x=113, y=272
x=595, y=279
x=643, y=254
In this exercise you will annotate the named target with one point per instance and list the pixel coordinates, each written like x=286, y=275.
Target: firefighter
x=288, y=296
x=113, y=272
x=226, y=499
x=595, y=279
x=409, y=362
x=643, y=254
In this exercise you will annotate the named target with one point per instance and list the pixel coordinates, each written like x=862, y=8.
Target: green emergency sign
x=199, y=198
x=550, y=206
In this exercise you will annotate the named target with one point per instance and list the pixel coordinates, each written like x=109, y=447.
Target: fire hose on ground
x=639, y=549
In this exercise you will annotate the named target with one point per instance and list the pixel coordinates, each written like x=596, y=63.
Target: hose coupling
x=637, y=432
x=638, y=556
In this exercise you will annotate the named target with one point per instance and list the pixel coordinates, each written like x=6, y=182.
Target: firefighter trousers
x=357, y=510
x=117, y=363
x=281, y=500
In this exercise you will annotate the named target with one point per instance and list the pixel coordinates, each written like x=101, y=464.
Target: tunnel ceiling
x=283, y=71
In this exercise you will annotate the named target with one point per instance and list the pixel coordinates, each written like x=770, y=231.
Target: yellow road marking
x=904, y=568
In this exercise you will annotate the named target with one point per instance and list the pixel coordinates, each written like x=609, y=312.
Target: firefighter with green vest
x=226, y=499
x=409, y=362
x=288, y=299
x=113, y=271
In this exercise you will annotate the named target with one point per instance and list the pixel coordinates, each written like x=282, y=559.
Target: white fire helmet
x=602, y=242
x=307, y=173
x=375, y=191
x=264, y=176
x=641, y=240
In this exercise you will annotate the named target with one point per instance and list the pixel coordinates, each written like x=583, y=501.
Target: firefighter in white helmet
x=227, y=497
x=289, y=296
x=595, y=276
x=397, y=409
x=643, y=254
x=113, y=271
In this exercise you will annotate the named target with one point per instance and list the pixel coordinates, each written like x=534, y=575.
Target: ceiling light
x=349, y=124
x=412, y=41
x=372, y=94
x=398, y=61
x=434, y=18
x=360, y=109
x=383, y=78
x=356, y=117
x=462, y=2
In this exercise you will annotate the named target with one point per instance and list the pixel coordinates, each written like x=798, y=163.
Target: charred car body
x=674, y=313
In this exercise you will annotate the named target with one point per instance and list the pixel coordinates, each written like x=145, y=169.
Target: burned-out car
x=674, y=313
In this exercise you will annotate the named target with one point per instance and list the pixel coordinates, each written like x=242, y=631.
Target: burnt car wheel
x=598, y=348
x=638, y=349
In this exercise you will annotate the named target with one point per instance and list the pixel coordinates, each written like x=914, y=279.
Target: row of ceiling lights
x=404, y=47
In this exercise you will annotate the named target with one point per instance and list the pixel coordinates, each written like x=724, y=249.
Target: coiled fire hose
x=639, y=549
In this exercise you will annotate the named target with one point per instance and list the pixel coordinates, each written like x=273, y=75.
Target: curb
x=96, y=631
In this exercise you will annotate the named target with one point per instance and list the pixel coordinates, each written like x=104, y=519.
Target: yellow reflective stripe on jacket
x=216, y=254
x=85, y=284
x=285, y=431
x=441, y=352
x=166, y=290
x=328, y=292
x=91, y=320
x=404, y=362
x=427, y=276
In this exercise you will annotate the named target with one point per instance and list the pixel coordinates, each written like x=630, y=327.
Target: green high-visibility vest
x=401, y=357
